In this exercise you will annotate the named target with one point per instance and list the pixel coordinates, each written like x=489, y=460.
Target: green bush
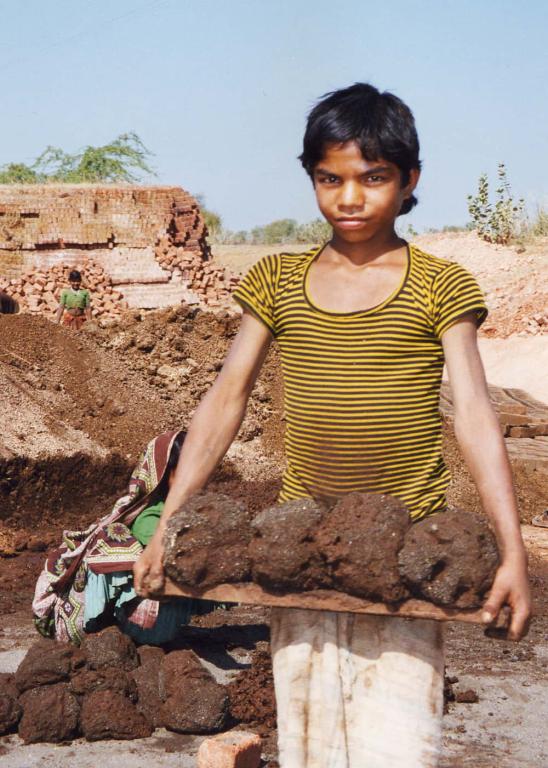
x=500, y=221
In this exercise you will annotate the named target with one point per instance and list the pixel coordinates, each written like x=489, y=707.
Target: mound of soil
x=84, y=405
x=252, y=698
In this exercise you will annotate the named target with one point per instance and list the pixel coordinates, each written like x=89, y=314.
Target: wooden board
x=325, y=600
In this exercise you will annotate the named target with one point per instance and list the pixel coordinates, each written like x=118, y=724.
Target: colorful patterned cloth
x=106, y=546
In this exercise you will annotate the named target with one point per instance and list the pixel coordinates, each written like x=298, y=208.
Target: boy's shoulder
x=429, y=260
x=291, y=258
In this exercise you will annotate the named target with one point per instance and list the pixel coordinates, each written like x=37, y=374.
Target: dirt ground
x=76, y=410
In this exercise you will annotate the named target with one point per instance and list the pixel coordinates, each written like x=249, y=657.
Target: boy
x=363, y=325
x=74, y=304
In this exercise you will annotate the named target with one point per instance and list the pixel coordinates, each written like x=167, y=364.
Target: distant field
x=239, y=258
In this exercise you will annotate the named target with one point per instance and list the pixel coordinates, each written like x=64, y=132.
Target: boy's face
x=360, y=198
x=75, y=284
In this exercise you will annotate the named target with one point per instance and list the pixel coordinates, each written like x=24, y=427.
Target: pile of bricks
x=38, y=291
x=519, y=414
x=210, y=282
x=129, y=231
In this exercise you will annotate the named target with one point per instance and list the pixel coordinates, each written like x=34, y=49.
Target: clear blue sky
x=219, y=89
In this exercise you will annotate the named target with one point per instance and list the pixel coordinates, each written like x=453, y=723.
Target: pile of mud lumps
x=364, y=545
x=109, y=689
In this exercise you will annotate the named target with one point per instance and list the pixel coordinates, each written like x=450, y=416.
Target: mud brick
x=519, y=432
x=512, y=419
x=238, y=749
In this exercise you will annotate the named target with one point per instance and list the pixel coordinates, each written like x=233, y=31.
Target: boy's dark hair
x=75, y=276
x=381, y=124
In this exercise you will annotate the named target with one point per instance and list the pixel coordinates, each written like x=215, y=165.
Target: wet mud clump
x=283, y=549
x=147, y=680
x=110, y=715
x=50, y=713
x=206, y=541
x=194, y=701
x=110, y=648
x=10, y=709
x=360, y=539
x=47, y=662
x=450, y=559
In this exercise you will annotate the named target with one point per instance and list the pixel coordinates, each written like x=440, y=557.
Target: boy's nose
x=351, y=197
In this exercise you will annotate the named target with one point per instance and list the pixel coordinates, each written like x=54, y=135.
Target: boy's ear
x=414, y=176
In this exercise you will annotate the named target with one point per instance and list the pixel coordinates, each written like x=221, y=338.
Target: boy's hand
x=510, y=587
x=148, y=571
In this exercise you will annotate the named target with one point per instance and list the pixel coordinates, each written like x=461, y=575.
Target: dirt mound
x=180, y=350
x=78, y=408
x=252, y=698
x=513, y=279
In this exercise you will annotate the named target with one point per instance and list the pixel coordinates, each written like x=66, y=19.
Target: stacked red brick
x=38, y=291
x=180, y=250
x=125, y=229
x=210, y=282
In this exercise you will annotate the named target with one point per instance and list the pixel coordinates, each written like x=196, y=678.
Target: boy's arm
x=214, y=426
x=480, y=438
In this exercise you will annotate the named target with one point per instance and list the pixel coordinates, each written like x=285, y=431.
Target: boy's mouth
x=350, y=222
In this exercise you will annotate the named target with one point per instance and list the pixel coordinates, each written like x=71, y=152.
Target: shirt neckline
x=391, y=297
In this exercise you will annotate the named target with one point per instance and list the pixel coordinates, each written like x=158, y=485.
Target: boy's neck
x=363, y=252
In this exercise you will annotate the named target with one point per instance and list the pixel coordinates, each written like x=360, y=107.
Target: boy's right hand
x=148, y=571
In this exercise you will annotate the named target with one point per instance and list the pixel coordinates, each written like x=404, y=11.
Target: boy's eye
x=326, y=179
x=375, y=179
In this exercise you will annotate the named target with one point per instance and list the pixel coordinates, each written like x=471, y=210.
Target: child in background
x=364, y=325
x=74, y=303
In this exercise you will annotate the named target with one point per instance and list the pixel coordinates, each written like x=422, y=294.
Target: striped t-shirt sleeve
x=257, y=290
x=456, y=293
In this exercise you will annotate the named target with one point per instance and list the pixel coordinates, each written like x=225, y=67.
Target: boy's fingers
x=139, y=574
x=519, y=627
x=492, y=607
x=155, y=579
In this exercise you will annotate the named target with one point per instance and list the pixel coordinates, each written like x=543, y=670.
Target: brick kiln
x=145, y=246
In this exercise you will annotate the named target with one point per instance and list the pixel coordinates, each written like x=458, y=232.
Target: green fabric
x=75, y=299
x=145, y=523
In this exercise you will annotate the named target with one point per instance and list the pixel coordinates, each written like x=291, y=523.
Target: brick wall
x=150, y=241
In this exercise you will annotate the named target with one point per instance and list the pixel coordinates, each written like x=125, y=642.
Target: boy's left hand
x=511, y=587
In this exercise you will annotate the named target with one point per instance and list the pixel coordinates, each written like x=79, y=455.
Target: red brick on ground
x=237, y=749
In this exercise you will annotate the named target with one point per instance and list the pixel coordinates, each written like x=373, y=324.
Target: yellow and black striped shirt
x=362, y=388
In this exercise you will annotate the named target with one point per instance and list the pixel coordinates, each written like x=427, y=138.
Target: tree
x=122, y=160
x=213, y=220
